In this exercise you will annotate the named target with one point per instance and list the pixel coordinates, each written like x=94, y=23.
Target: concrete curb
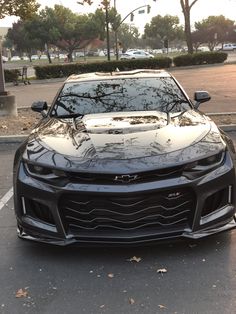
x=17, y=139
x=220, y=113
x=228, y=128
x=45, y=81
x=11, y=139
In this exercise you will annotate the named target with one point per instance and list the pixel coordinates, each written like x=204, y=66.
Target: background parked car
x=25, y=58
x=136, y=54
x=229, y=47
x=4, y=59
x=43, y=57
x=15, y=58
x=34, y=57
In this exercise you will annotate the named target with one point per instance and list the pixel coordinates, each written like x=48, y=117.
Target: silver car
x=136, y=54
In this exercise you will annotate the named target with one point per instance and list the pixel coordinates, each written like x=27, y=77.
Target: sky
x=202, y=9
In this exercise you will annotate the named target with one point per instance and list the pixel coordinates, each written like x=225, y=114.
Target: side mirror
x=200, y=97
x=40, y=106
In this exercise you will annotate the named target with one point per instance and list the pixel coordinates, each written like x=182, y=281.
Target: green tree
x=21, y=38
x=186, y=8
x=127, y=36
x=61, y=27
x=73, y=29
x=164, y=27
x=112, y=18
x=214, y=30
x=25, y=9
x=43, y=28
x=198, y=38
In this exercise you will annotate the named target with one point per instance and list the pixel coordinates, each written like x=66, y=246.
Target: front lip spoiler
x=103, y=242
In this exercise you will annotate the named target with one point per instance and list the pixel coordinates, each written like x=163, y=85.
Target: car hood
x=123, y=141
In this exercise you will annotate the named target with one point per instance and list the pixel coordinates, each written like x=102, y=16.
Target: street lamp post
x=106, y=4
x=129, y=14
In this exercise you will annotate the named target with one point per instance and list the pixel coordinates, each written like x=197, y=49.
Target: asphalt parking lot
x=200, y=276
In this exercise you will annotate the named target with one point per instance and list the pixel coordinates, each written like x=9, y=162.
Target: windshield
x=126, y=94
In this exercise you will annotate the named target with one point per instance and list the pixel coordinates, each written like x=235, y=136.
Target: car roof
x=140, y=73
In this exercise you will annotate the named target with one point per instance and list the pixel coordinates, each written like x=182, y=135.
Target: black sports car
x=123, y=158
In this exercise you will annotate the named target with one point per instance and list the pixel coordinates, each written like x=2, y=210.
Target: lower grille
x=37, y=211
x=217, y=200
x=160, y=211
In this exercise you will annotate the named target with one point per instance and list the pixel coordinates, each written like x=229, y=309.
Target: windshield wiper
x=179, y=114
x=177, y=102
x=69, y=116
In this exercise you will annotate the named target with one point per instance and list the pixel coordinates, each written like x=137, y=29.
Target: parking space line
x=6, y=198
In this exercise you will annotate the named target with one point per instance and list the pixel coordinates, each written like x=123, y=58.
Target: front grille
x=159, y=211
x=141, y=177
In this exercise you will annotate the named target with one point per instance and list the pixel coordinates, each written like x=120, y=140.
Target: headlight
x=43, y=172
x=202, y=166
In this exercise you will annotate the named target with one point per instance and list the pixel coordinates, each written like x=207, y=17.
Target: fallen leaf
x=162, y=270
x=131, y=301
x=192, y=245
x=135, y=259
x=162, y=306
x=21, y=293
x=111, y=275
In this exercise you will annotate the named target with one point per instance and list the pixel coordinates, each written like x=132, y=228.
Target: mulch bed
x=26, y=119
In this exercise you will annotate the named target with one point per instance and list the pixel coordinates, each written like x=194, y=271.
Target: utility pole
x=107, y=31
x=116, y=38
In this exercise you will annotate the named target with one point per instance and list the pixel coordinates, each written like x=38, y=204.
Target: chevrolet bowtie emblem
x=126, y=178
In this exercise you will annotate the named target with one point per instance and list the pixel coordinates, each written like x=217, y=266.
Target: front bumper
x=54, y=228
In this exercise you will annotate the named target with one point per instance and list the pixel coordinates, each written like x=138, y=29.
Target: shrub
x=200, y=58
x=64, y=70
x=11, y=75
x=183, y=60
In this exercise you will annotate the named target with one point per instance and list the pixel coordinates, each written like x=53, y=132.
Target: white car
x=136, y=54
x=203, y=48
x=62, y=56
x=156, y=51
x=4, y=59
x=101, y=54
x=34, y=57
x=43, y=57
x=229, y=47
x=15, y=58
